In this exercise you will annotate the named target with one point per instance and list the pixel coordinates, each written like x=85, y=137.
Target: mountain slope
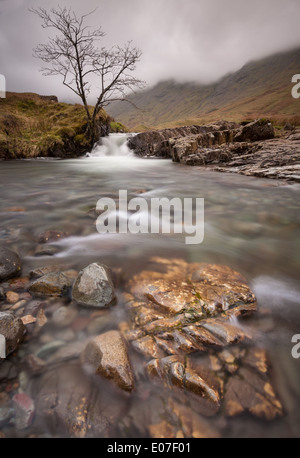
x=259, y=89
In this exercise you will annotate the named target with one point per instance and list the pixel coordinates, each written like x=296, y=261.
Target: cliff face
x=39, y=126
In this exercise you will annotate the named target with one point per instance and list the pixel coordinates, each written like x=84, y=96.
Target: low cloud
x=186, y=40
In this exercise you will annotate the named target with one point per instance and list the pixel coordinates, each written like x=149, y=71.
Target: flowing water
x=251, y=225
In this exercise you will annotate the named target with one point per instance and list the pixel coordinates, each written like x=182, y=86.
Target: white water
x=113, y=145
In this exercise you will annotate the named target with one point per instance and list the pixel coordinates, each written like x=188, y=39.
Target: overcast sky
x=186, y=40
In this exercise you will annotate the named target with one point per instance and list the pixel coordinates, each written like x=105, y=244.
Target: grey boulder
x=93, y=286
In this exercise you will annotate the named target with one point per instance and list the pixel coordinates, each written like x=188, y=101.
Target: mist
x=185, y=40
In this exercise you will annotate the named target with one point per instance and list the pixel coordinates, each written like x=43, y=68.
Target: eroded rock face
x=94, y=287
x=184, y=319
x=10, y=264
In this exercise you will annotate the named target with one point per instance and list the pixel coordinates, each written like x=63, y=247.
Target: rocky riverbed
x=252, y=149
x=182, y=330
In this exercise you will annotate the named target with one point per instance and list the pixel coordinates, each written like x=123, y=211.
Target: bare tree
x=74, y=55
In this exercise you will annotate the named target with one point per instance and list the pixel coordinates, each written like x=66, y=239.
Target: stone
x=186, y=318
x=2, y=294
x=8, y=371
x=24, y=408
x=12, y=329
x=10, y=264
x=186, y=308
x=69, y=404
x=28, y=319
x=107, y=355
x=51, y=284
x=256, y=131
x=12, y=297
x=94, y=287
x=6, y=413
x=46, y=250
x=175, y=374
x=51, y=236
x=64, y=316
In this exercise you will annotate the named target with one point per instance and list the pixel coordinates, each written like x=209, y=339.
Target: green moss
x=117, y=127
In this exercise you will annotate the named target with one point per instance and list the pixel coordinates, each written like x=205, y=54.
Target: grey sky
x=188, y=40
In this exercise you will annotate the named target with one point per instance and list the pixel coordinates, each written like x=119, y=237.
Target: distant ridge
x=259, y=89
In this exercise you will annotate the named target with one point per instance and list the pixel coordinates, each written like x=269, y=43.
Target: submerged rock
x=107, y=355
x=184, y=318
x=94, y=287
x=24, y=407
x=10, y=264
x=12, y=329
x=68, y=404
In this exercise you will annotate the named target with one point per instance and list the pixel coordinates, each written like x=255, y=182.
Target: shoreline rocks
x=250, y=150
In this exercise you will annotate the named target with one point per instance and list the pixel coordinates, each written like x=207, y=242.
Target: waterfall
x=113, y=145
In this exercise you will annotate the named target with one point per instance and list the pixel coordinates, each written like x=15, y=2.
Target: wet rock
x=34, y=364
x=107, y=355
x=49, y=348
x=70, y=405
x=41, y=271
x=8, y=370
x=94, y=287
x=51, y=236
x=6, y=413
x=185, y=308
x=46, y=250
x=2, y=294
x=52, y=284
x=28, y=319
x=186, y=317
x=64, y=316
x=10, y=264
x=173, y=373
x=255, y=131
x=12, y=297
x=24, y=408
x=12, y=329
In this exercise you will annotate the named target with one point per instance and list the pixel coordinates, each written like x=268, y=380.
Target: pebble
x=12, y=297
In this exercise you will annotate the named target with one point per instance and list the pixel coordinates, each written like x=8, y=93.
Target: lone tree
x=74, y=55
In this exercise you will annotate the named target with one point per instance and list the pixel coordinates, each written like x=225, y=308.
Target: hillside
x=259, y=89
x=33, y=126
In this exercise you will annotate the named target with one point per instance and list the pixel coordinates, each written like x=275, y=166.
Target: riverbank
x=33, y=126
x=254, y=149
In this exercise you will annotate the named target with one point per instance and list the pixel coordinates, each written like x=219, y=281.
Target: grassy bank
x=36, y=126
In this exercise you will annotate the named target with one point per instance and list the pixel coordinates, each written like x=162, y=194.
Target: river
x=251, y=225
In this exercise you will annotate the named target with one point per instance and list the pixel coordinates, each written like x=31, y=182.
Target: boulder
x=107, y=355
x=256, y=131
x=94, y=287
x=10, y=264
